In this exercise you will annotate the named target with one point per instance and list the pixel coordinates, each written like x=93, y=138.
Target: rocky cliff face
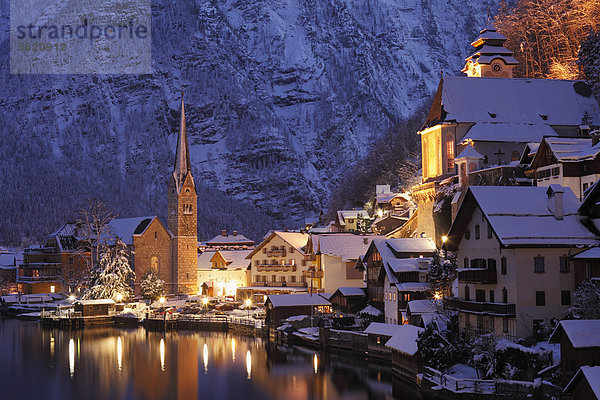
x=282, y=97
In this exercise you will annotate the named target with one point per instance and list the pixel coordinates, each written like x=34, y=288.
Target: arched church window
x=515, y=156
x=450, y=152
x=154, y=264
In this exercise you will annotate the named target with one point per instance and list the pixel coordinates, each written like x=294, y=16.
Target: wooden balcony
x=276, y=253
x=478, y=275
x=276, y=268
x=280, y=284
x=310, y=257
x=504, y=309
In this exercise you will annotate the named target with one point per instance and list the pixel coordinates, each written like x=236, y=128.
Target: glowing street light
x=444, y=239
x=437, y=295
x=205, y=303
x=72, y=298
x=119, y=297
x=162, y=300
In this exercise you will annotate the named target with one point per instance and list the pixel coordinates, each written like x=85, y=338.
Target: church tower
x=183, y=217
x=491, y=59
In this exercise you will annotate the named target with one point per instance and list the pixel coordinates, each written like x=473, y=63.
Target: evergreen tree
x=586, y=301
x=442, y=272
x=112, y=276
x=589, y=60
x=152, y=287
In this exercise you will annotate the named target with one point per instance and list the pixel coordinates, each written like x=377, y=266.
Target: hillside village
x=481, y=274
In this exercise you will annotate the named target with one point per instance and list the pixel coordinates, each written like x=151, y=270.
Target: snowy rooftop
x=572, y=149
x=507, y=132
x=591, y=374
x=347, y=246
x=351, y=291
x=387, y=197
x=424, y=306
x=581, y=333
x=9, y=260
x=125, y=228
x=412, y=245
x=204, y=259
x=379, y=328
x=405, y=339
x=594, y=252
x=343, y=215
x=229, y=240
x=562, y=102
x=235, y=259
x=468, y=151
x=95, y=302
x=521, y=216
x=301, y=299
x=409, y=264
x=297, y=240
x=370, y=310
x=413, y=287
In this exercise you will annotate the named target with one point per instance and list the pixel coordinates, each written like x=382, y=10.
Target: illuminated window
x=154, y=264
x=52, y=289
x=450, y=152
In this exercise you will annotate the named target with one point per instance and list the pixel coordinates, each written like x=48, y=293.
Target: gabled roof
x=379, y=328
x=520, y=216
x=351, y=291
x=591, y=375
x=593, y=253
x=229, y=240
x=582, y=333
x=424, y=306
x=411, y=245
x=405, y=339
x=409, y=264
x=300, y=299
x=347, y=246
x=512, y=100
x=387, y=197
x=297, y=240
x=125, y=228
x=343, y=215
x=204, y=260
x=235, y=259
x=413, y=287
x=567, y=149
x=468, y=152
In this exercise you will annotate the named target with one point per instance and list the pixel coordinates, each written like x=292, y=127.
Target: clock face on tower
x=497, y=67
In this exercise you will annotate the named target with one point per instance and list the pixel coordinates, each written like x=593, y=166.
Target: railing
x=505, y=309
x=277, y=284
x=478, y=275
x=276, y=267
x=310, y=257
x=23, y=278
x=478, y=385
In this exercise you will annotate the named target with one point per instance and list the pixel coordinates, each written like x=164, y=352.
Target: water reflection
x=248, y=364
x=71, y=357
x=269, y=371
x=119, y=353
x=162, y=354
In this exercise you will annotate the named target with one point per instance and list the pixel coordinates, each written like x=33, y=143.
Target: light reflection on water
x=135, y=364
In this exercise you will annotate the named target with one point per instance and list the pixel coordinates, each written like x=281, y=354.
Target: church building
x=492, y=115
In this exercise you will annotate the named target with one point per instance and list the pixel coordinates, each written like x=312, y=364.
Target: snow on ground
x=554, y=347
x=461, y=371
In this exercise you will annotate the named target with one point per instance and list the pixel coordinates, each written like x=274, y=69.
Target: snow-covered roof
x=204, y=259
x=412, y=245
x=423, y=306
x=592, y=376
x=229, y=240
x=300, y=299
x=594, y=252
x=235, y=259
x=351, y=291
x=507, y=132
x=370, y=310
x=343, y=215
x=521, y=216
x=379, y=328
x=387, y=197
x=468, y=152
x=405, y=339
x=347, y=246
x=9, y=260
x=572, y=149
x=95, y=302
x=518, y=100
x=297, y=240
x=326, y=296
x=125, y=228
x=409, y=264
x=582, y=333
x=413, y=287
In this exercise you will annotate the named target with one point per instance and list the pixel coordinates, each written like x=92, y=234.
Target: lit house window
x=52, y=289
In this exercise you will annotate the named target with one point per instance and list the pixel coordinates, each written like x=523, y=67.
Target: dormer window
x=492, y=114
x=543, y=116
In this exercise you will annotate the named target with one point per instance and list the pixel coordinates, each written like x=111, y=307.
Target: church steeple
x=182, y=154
x=491, y=58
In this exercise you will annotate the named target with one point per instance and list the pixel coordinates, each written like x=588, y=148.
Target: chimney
x=234, y=233
x=555, y=201
x=224, y=232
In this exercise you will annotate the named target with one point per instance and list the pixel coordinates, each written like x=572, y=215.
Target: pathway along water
x=114, y=363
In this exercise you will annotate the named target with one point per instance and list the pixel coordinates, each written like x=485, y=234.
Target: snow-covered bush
x=586, y=301
x=112, y=276
x=518, y=362
x=151, y=286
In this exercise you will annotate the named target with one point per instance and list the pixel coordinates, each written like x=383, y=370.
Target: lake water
x=112, y=363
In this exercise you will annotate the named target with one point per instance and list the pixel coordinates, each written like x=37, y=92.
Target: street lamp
x=162, y=300
x=205, y=302
x=248, y=304
x=119, y=297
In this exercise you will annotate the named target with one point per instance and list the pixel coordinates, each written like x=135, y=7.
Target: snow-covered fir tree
x=586, y=301
x=152, y=287
x=589, y=60
x=112, y=276
x=442, y=272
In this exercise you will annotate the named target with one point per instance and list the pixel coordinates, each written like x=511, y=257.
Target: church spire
x=182, y=155
x=491, y=58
